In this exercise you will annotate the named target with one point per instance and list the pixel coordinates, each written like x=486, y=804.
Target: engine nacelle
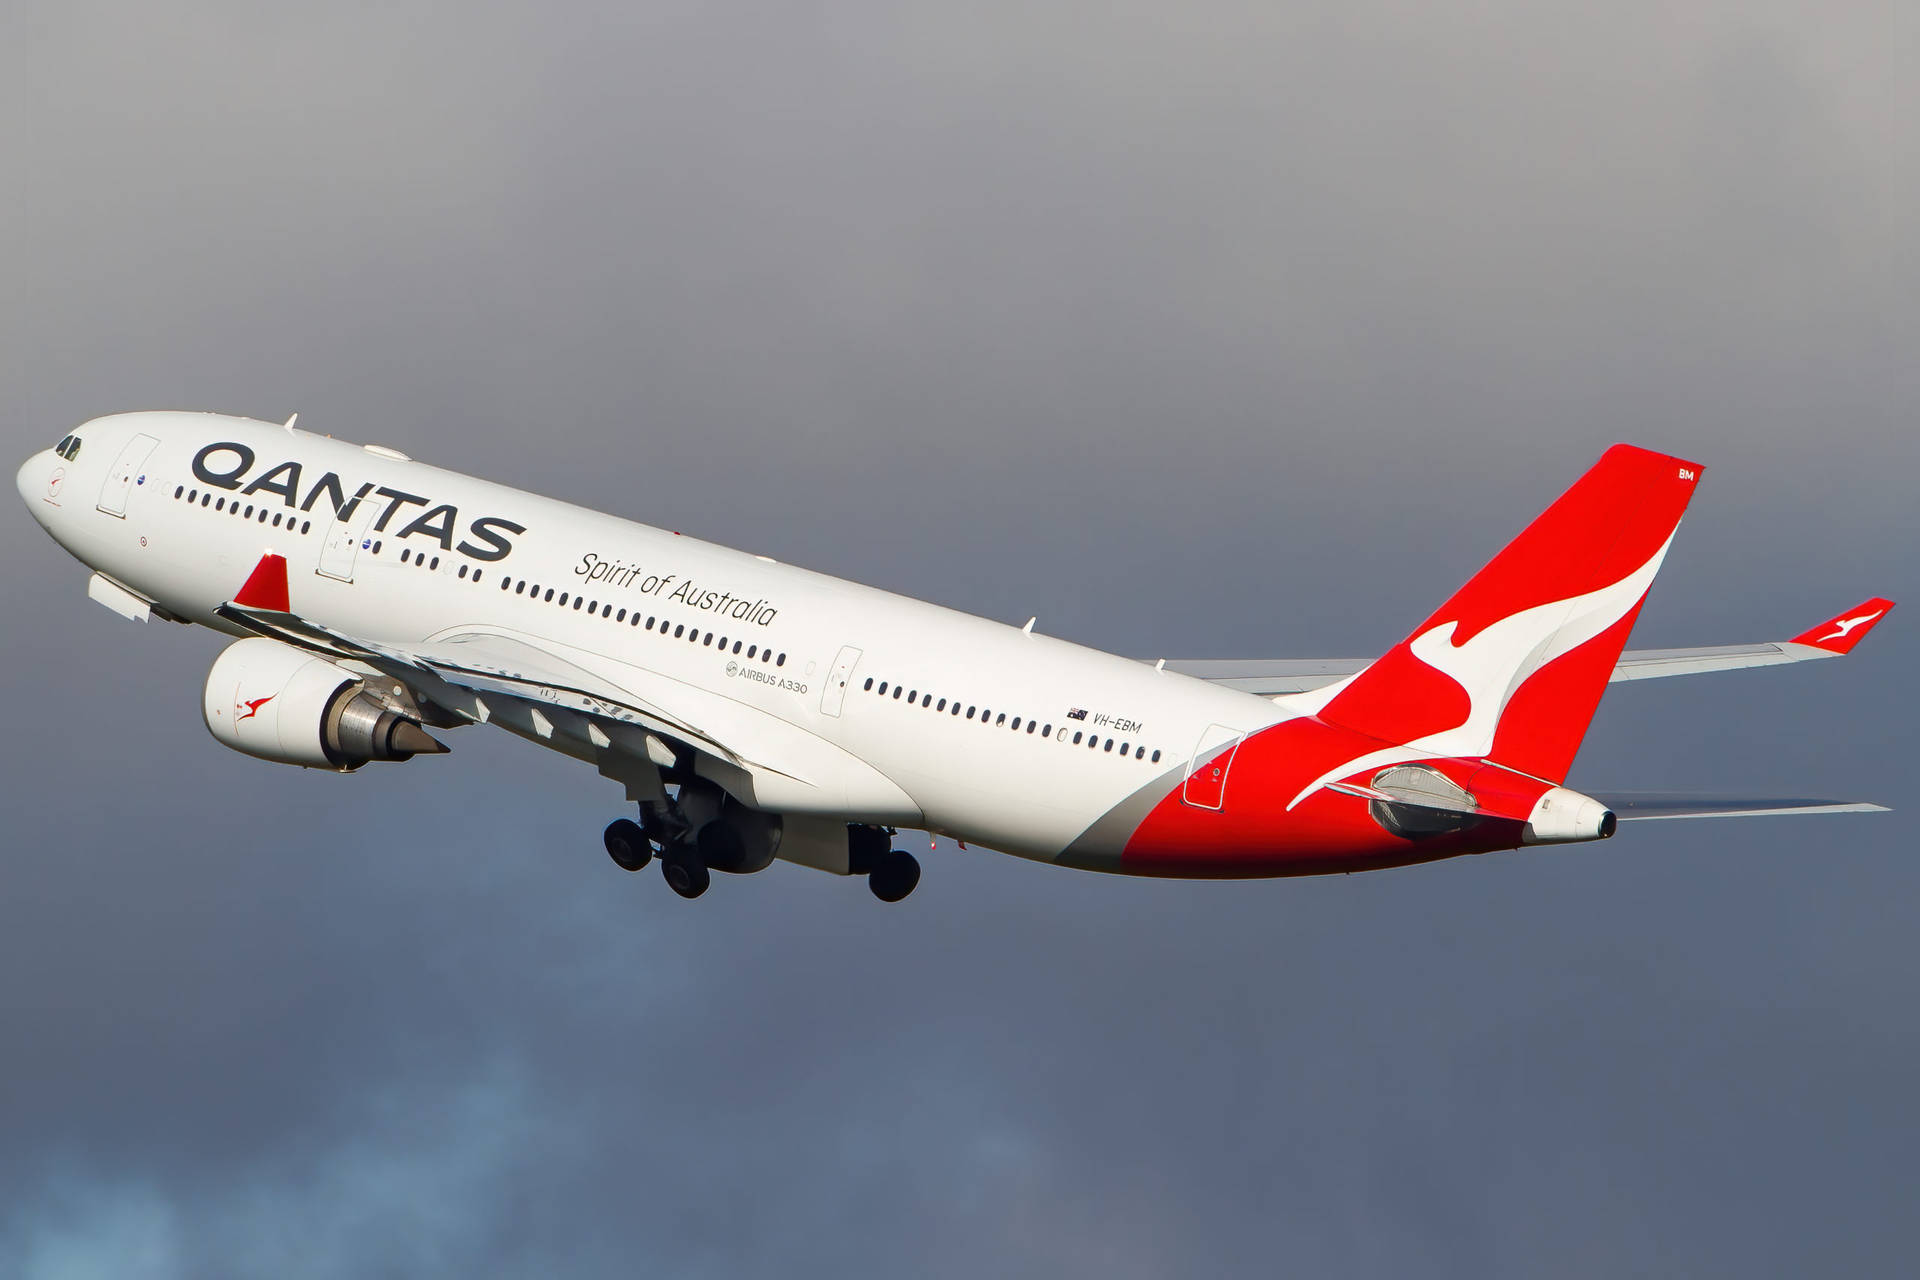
x=278, y=703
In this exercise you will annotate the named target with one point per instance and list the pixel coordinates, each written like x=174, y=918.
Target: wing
x=1831, y=639
x=584, y=704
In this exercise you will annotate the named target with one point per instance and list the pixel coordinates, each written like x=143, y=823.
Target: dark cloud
x=1224, y=330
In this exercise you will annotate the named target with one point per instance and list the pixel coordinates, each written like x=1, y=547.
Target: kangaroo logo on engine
x=225, y=464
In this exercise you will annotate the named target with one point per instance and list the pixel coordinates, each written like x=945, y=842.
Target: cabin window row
x=915, y=697
x=636, y=618
x=195, y=498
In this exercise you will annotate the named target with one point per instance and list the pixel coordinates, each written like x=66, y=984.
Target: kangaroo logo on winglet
x=1843, y=627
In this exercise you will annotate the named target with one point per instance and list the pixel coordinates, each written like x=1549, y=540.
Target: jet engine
x=278, y=703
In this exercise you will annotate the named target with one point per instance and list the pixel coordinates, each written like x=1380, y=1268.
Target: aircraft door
x=120, y=479
x=345, y=537
x=1206, y=785
x=835, y=693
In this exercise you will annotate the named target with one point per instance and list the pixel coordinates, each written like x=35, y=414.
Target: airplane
x=755, y=711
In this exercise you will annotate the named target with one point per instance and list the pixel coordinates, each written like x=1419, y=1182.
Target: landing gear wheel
x=895, y=877
x=628, y=845
x=685, y=874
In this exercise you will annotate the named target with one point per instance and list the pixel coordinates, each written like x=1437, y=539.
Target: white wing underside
x=486, y=676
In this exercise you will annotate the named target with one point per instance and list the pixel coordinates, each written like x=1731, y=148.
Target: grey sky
x=1196, y=330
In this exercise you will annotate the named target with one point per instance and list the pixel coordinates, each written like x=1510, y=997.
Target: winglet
x=266, y=587
x=1841, y=632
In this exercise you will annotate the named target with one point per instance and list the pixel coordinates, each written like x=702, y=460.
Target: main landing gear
x=687, y=864
x=895, y=876
x=631, y=846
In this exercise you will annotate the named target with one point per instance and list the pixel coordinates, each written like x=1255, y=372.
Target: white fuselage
x=497, y=561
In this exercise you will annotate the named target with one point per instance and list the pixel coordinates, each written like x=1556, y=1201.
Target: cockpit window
x=69, y=448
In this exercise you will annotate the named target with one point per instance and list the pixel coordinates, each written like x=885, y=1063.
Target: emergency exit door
x=345, y=537
x=120, y=479
x=835, y=693
x=1206, y=785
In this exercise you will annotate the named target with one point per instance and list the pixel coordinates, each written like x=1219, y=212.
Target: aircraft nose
x=36, y=481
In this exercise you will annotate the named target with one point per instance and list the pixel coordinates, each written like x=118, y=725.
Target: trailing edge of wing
x=1638, y=806
x=1833, y=638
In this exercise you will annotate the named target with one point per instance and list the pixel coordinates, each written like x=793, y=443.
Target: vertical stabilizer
x=1513, y=665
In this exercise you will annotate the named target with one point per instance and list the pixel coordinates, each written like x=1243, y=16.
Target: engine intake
x=274, y=702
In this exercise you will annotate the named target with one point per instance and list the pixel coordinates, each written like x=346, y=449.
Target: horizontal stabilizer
x=1638, y=806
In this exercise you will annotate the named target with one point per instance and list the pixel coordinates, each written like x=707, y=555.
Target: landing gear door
x=345, y=537
x=120, y=480
x=1206, y=785
x=835, y=693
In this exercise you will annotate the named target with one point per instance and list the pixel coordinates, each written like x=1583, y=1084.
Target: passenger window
x=897, y=691
x=913, y=695
x=305, y=526
x=463, y=571
x=548, y=598
x=1109, y=744
x=1123, y=748
x=752, y=649
x=406, y=556
x=206, y=499
x=883, y=688
x=1016, y=724
x=435, y=565
x=942, y=706
x=1002, y=720
x=781, y=661
x=1076, y=737
x=679, y=630
x=869, y=684
x=1032, y=725
x=577, y=602
x=621, y=616
x=1156, y=755
x=1047, y=732
x=220, y=505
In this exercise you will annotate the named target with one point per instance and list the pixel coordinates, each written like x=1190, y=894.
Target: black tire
x=684, y=873
x=628, y=845
x=895, y=877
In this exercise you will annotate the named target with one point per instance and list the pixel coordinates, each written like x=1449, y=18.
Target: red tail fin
x=1512, y=667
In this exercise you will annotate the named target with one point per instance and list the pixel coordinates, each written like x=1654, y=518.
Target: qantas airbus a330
x=755, y=711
